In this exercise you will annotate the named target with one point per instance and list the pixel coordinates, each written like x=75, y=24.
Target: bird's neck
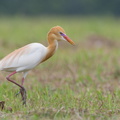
x=52, y=47
x=52, y=43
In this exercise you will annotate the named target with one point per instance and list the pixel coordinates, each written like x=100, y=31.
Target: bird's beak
x=69, y=40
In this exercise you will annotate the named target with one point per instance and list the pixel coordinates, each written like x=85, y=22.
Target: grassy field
x=79, y=82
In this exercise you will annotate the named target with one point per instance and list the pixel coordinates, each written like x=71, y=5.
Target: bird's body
x=24, y=59
x=31, y=55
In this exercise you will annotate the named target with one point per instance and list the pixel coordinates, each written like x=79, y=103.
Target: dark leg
x=22, y=89
x=21, y=85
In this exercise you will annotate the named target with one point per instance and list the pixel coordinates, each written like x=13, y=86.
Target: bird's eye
x=61, y=33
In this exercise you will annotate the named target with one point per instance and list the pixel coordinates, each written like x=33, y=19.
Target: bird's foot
x=23, y=94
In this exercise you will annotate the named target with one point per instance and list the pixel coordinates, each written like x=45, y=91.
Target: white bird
x=31, y=55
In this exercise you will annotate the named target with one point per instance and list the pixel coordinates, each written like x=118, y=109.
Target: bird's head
x=58, y=33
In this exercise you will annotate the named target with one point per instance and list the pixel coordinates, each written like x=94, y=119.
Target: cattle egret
x=26, y=58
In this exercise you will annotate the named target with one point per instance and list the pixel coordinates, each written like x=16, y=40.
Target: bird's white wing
x=25, y=58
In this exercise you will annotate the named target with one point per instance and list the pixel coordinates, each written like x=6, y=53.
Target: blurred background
x=90, y=69
x=81, y=18
x=26, y=21
x=94, y=25
x=59, y=7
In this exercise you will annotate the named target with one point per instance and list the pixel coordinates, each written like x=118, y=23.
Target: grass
x=78, y=82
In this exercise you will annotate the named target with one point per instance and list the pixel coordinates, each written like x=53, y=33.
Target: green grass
x=78, y=82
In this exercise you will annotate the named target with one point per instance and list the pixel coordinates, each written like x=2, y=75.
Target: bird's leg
x=22, y=92
x=22, y=89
